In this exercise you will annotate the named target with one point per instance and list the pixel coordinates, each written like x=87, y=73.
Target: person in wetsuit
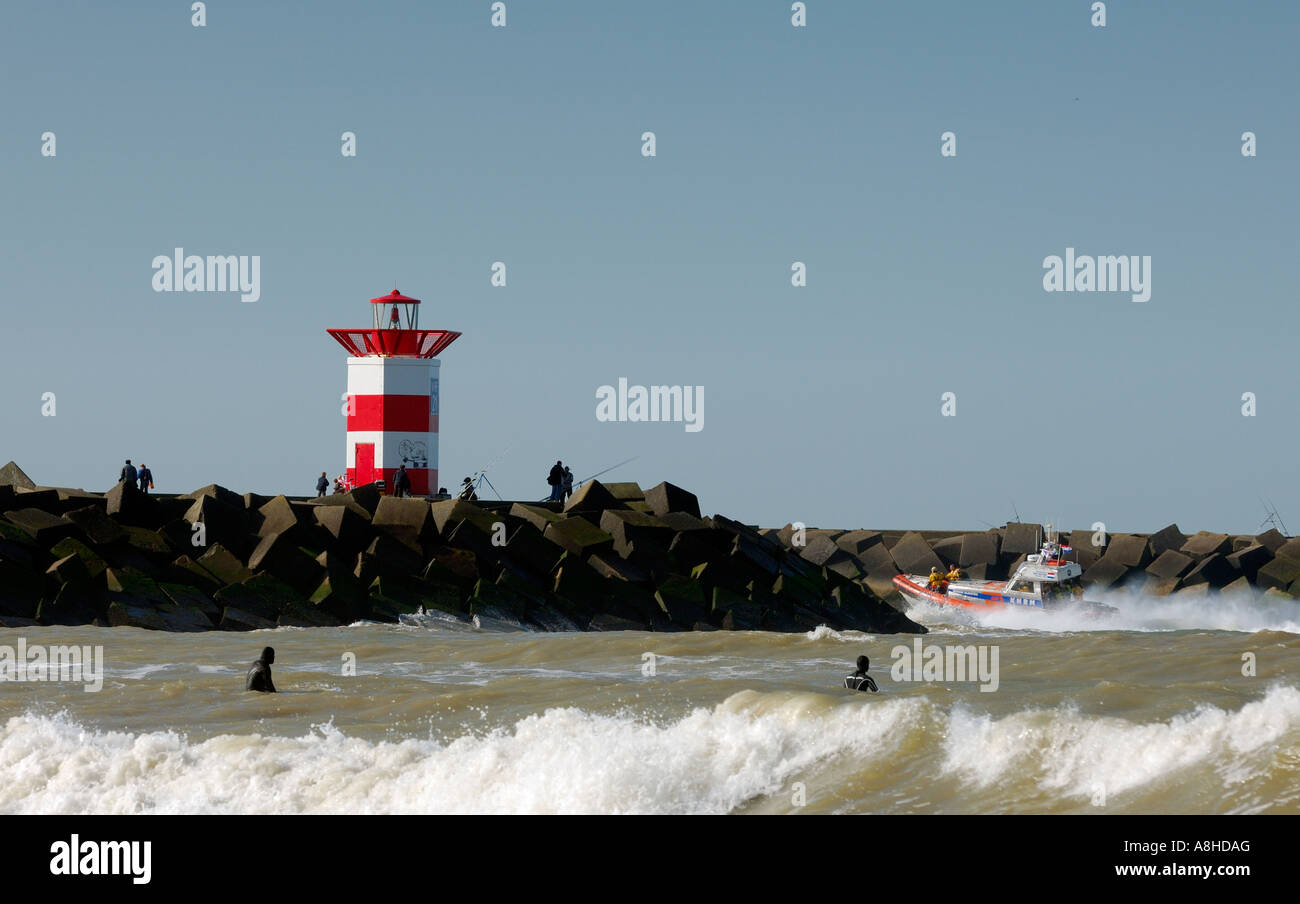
x=259, y=676
x=860, y=680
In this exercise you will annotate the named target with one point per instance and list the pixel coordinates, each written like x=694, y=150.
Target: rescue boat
x=1047, y=581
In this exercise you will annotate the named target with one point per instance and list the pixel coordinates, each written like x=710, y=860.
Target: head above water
x=863, y=663
x=268, y=655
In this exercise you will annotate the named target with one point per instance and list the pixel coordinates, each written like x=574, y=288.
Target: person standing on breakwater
x=259, y=675
x=129, y=475
x=401, y=482
x=860, y=680
x=556, y=480
x=467, y=490
x=567, y=482
x=146, y=478
x=322, y=484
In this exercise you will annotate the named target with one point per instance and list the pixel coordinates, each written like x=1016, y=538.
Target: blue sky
x=774, y=144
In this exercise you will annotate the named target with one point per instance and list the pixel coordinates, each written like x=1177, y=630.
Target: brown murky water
x=1149, y=713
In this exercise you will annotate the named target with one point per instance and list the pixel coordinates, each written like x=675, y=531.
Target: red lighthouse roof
x=394, y=297
x=389, y=337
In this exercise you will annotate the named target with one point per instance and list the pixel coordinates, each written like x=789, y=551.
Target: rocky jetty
x=613, y=557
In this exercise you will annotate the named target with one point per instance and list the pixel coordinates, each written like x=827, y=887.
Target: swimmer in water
x=860, y=680
x=259, y=676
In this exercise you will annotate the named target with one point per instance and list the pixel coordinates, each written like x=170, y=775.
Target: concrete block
x=819, y=550
x=626, y=492
x=1289, y=550
x=1020, y=538
x=223, y=565
x=1167, y=538
x=234, y=619
x=409, y=520
x=914, y=556
x=1247, y=562
x=667, y=497
x=1271, y=539
x=350, y=530
x=13, y=476
x=1240, y=587
x=1213, y=570
x=161, y=618
x=856, y=542
x=579, y=537
x=949, y=548
x=1204, y=543
x=592, y=498
x=93, y=521
x=1170, y=564
x=614, y=568
x=128, y=505
x=1280, y=573
x=1132, y=550
x=980, y=549
x=1106, y=572
x=221, y=523
x=627, y=527
x=69, y=570
x=20, y=590
x=277, y=516
x=185, y=597
x=45, y=529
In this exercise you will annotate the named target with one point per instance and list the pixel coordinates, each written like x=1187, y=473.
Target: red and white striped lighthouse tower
x=393, y=395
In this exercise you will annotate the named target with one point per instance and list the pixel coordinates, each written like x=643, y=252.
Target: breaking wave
x=746, y=753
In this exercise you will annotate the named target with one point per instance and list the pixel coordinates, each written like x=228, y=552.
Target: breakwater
x=613, y=557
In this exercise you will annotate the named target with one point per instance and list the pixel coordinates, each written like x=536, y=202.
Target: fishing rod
x=607, y=470
x=578, y=483
x=479, y=477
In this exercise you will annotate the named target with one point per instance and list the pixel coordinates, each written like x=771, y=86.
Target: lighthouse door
x=365, y=459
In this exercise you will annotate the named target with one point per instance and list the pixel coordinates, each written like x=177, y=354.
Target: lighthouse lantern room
x=392, y=398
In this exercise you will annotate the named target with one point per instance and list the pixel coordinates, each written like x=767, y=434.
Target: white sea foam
x=710, y=761
x=1060, y=751
x=563, y=760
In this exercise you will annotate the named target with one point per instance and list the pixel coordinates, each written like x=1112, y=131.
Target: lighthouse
x=392, y=398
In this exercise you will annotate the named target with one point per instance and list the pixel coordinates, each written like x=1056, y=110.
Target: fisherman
x=567, y=482
x=860, y=680
x=129, y=475
x=556, y=480
x=401, y=482
x=340, y=485
x=146, y=478
x=259, y=675
x=467, y=491
x=322, y=484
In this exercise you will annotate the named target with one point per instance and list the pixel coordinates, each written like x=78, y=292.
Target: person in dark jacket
x=467, y=491
x=401, y=482
x=567, y=482
x=146, y=477
x=556, y=480
x=322, y=484
x=860, y=680
x=259, y=676
x=129, y=474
